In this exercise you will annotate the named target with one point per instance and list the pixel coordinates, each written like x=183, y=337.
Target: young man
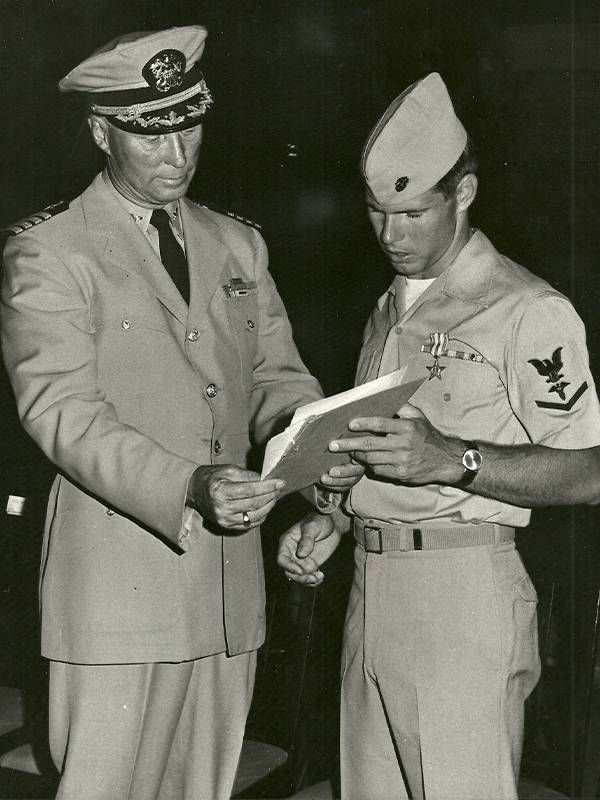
x=148, y=349
x=440, y=647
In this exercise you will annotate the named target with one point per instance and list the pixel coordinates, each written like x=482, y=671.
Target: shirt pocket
x=468, y=398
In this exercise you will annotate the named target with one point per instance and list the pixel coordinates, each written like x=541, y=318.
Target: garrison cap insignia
x=165, y=70
x=550, y=368
x=34, y=219
x=401, y=184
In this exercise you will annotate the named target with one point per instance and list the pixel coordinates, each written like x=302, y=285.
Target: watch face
x=472, y=460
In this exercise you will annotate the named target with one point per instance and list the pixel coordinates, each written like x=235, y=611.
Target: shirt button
x=217, y=446
x=194, y=335
x=211, y=390
x=126, y=324
x=398, y=329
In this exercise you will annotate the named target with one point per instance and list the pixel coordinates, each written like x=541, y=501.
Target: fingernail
x=354, y=425
x=280, y=484
x=334, y=446
x=335, y=473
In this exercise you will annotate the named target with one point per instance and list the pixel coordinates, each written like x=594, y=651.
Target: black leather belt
x=379, y=537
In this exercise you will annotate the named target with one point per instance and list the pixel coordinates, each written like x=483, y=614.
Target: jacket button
x=194, y=335
x=250, y=324
x=211, y=390
x=126, y=324
x=217, y=446
x=109, y=512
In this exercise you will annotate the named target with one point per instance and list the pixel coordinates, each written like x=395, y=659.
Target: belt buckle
x=370, y=532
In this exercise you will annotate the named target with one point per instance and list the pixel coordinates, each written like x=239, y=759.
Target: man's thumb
x=408, y=411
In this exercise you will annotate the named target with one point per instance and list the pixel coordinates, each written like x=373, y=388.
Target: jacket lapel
x=206, y=255
x=121, y=241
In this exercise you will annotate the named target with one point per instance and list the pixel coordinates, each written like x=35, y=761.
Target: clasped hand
x=307, y=545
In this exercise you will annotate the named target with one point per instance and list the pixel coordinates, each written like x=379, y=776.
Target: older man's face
x=149, y=170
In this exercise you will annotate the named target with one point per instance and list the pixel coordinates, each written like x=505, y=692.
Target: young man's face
x=149, y=170
x=418, y=236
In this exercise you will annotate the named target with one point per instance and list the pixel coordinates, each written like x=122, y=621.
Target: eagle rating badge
x=551, y=369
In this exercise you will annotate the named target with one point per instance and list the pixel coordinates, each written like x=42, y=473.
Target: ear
x=99, y=130
x=466, y=191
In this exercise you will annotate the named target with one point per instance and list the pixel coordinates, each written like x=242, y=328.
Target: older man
x=148, y=350
x=440, y=646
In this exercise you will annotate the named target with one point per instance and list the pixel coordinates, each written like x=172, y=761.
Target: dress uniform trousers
x=149, y=731
x=440, y=652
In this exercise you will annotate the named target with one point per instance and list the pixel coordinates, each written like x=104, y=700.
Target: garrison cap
x=414, y=144
x=146, y=82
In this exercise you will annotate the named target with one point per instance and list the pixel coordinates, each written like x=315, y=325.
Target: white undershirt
x=413, y=289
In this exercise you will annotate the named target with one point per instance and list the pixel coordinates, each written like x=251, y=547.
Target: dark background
x=297, y=87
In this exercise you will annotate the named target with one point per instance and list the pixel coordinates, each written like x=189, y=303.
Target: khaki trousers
x=149, y=731
x=440, y=652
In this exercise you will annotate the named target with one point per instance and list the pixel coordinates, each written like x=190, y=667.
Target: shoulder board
x=34, y=219
x=231, y=214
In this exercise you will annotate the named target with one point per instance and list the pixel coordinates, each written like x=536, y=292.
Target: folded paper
x=300, y=454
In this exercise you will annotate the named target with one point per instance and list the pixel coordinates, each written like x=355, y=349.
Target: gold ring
x=246, y=519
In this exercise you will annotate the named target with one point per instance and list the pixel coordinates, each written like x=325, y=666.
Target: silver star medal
x=438, y=347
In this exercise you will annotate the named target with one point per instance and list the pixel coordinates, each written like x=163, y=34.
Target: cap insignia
x=401, y=184
x=165, y=70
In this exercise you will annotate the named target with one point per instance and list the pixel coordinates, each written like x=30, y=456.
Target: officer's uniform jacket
x=127, y=390
x=504, y=359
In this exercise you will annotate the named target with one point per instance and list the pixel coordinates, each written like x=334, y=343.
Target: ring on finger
x=246, y=519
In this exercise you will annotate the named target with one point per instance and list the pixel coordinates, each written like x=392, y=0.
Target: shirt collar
x=396, y=287
x=468, y=278
x=140, y=215
x=471, y=275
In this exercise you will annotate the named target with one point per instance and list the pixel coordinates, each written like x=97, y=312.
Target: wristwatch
x=472, y=461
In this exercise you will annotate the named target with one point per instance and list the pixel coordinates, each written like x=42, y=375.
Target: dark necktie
x=171, y=254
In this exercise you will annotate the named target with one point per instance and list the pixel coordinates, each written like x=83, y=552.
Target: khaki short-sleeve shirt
x=506, y=362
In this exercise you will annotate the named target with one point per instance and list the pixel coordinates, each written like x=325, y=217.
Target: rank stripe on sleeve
x=564, y=406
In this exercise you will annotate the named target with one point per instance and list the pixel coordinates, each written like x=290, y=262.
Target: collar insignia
x=401, y=184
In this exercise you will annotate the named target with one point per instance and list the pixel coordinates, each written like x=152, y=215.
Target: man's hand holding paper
x=342, y=477
x=406, y=449
x=301, y=454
